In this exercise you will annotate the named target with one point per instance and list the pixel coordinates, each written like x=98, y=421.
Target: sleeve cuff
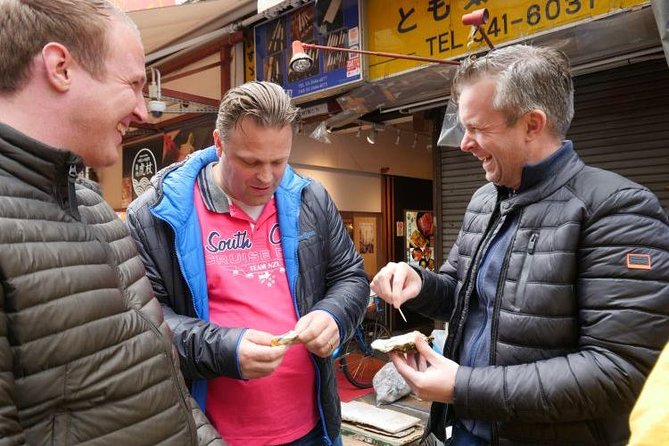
x=460, y=390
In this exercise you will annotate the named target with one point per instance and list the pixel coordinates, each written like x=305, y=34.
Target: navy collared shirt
x=476, y=341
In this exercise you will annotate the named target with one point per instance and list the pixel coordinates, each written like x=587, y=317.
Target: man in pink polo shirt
x=240, y=249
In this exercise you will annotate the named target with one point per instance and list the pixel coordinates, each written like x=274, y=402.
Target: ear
x=58, y=65
x=535, y=124
x=218, y=143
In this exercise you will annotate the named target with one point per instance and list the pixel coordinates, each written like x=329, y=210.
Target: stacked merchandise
x=377, y=426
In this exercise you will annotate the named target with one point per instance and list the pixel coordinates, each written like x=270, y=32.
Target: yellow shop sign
x=433, y=28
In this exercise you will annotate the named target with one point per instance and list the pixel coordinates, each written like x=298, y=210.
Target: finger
x=258, y=337
x=411, y=360
x=422, y=363
x=317, y=329
x=381, y=284
x=426, y=351
x=303, y=323
x=259, y=361
x=398, y=283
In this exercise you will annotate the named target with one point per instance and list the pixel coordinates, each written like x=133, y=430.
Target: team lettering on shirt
x=242, y=259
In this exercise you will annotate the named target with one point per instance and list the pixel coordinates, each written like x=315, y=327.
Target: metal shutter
x=621, y=124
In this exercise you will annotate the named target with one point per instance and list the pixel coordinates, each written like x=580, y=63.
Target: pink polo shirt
x=248, y=287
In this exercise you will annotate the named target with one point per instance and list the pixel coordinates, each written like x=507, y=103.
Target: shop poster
x=419, y=226
x=326, y=22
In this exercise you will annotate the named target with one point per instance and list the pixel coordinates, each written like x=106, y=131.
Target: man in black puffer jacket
x=557, y=288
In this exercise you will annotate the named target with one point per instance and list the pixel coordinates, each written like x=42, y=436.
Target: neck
x=37, y=118
x=543, y=147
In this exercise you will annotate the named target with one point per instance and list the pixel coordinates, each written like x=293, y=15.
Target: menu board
x=326, y=22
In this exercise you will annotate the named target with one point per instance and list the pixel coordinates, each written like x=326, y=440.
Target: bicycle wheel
x=358, y=361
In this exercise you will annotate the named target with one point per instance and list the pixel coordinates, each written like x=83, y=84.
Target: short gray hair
x=527, y=78
x=265, y=102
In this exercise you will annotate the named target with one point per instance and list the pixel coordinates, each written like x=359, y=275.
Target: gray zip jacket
x=85, y=356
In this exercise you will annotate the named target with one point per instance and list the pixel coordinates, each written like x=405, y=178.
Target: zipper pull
x=532, y=243
x=71, y=192
x=72, y=173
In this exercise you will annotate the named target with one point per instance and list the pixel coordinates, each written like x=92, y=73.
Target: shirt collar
x=213, y=197
x=535, y=173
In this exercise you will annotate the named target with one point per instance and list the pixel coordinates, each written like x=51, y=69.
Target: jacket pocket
x=521, y=298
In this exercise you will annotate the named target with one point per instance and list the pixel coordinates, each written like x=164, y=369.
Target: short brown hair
x=27, y=25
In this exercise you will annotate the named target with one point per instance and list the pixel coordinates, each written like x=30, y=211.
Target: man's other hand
x=319, y=333
x=396, y=283
x=430, y=375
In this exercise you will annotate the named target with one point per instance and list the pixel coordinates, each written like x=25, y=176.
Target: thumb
x=426, y=351
x=258, y=337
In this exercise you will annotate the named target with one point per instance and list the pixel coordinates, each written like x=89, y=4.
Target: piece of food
x=285, y=339
x=424, y=224
x=417, y=239
x=399, y=344
x=417, y=254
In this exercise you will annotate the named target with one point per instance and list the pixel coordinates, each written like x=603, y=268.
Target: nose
x=265, y=174
x=467, y=142
x=140, y=113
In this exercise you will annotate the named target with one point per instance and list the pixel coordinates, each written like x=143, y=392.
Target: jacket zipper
x=71, y=189
x=525, y=272
x=453, y=339
x=326, y=436
x=491, y=231
x=495, y=314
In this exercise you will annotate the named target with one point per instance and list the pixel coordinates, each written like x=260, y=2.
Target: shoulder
x=144, y=201
x=602, y=191
x=314, y=194
x=484, y=197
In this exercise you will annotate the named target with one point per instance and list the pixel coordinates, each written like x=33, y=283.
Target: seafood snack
x=399, y=344
x=284, y=339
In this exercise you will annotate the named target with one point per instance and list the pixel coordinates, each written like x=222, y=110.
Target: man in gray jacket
x=241, y=249
x=557, y=288
x=85, y=356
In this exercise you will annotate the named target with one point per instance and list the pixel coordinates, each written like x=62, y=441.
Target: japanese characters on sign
x=326, y=22
x=433, y=28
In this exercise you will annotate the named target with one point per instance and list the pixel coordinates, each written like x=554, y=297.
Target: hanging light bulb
x=371, y=138
x=357, y=134
x=397, y=140
x=415, y=140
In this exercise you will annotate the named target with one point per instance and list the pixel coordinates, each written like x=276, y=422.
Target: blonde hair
x=265, y=102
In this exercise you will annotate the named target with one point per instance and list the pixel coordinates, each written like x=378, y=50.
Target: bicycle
x=356, y=358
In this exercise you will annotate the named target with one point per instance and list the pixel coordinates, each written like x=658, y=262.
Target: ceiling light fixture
x=397, y=140
x=371, y=138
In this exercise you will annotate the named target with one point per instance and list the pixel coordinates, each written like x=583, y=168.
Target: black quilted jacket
x=578, y=320
x=85, y=356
